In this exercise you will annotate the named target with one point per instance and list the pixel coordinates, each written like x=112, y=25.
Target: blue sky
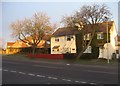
x=11, y=11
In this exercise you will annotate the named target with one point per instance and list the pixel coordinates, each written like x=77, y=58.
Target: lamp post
x=107, y=40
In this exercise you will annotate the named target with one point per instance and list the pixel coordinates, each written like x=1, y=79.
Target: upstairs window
x=69, y=38
x=56, y=39
x=87, y=36
x=100, y=35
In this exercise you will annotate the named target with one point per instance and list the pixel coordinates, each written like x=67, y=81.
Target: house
x=70, y=39
x=64, y=41
x=2, y=51
x=20, y=46
x=118, y=48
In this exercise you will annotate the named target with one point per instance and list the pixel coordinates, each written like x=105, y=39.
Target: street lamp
x=107, y=39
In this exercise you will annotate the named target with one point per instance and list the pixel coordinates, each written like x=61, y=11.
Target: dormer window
x=100, y=35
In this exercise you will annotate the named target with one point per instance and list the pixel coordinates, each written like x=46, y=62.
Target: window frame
x=57, y=39
x=100, y=35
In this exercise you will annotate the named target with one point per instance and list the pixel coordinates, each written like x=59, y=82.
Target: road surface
x=28, y=72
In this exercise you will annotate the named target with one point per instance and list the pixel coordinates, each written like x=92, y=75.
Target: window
x=73, y=49
x=88, y=50
x=87, y=36
x=69, y=38
x=100, y=35
x=56, y=39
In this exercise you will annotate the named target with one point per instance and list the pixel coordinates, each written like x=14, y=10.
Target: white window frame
x=57, y=39
x=88, y=50
x=87, y=36
x=100, y=35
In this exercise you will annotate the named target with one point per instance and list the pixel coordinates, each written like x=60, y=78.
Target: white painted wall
x=107, y=52
x=65, y=46
x=109, y=48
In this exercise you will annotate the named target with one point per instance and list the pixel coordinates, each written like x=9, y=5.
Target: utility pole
x=107, y=39
x=107, y=45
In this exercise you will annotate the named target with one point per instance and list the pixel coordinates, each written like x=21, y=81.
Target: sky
x=12, y=11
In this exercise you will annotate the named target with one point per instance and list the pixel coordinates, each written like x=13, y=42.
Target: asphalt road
x=28, y=72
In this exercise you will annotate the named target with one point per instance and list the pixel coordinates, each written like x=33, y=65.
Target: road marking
x=66, y=80
x=93, y=83
x=22, y=73
x=83, y=82
x=5, y=70
x=13, y=71
x=40, y=76
x=31, y=74
x=67, y=64
x=54, y=78
x=100, y=72
x=49, y=77
x=48, y=67
x=77, y=81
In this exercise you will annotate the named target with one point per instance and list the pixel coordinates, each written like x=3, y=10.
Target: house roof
x=65, y=31
x=10, y=43
x=100, y=27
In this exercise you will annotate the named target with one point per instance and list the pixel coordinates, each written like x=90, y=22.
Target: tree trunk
x=33, y=51
x=81, y=53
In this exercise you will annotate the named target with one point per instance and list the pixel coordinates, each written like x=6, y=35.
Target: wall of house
x=65, y=46
x=12, y=50
x=109, y=48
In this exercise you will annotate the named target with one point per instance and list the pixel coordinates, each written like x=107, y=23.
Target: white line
x=83, y=82
x=93, y=83
x=77, y=81
x=40, y=76
x=47, y=67
x=22, y=73
x=55, y=78
x=0, y=69
x=68, y=64
x=49, y=77
x=66, y=80
x=13, y=71
x=31, y=74
x=5, y=70
x=100, y=72
x=69, y=80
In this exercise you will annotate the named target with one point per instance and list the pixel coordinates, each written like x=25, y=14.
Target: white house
x=109, y=48
x=64, y=41
x=69, y=40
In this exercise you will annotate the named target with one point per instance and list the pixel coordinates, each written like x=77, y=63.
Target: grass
x=101, y=62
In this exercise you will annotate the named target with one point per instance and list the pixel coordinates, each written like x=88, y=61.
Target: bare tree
x=32, y=31
x=88, y=15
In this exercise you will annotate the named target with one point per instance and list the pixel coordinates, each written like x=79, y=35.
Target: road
x=28, y=72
